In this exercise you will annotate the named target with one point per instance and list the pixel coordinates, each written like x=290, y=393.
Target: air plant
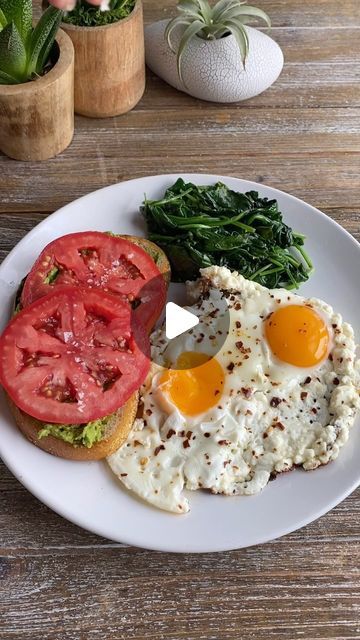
x=25, y=51
x=199, y=19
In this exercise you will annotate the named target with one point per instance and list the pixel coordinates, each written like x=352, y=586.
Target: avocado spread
x=52, y=275
x=85, y=435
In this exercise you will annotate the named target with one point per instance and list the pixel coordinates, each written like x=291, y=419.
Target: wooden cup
x=109, y=65
x=37, y=117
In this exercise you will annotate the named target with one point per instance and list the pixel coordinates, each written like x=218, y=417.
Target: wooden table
x=303, y=136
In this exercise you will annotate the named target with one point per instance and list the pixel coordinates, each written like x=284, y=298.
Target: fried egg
x=267, y=381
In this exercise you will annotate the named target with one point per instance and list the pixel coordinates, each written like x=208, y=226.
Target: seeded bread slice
x=117, y=430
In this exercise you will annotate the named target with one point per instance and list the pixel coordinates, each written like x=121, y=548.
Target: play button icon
x=201, y=327
x=178, y=320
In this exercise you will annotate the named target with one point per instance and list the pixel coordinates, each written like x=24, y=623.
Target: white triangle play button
x=178, y=320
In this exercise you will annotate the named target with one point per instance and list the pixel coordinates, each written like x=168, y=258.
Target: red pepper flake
x=230, y=366
x=279, y=425
x=274, y=402
x=186, y=444
x=182, y=434
x=158, y=449
x=237, y=306
x=137, y=443
x=239, y=344
x=238, y=324
x=336, y=381
x=213, y=314
x=226, y=462
x=216, y=392
x=331, y=357
x=189, y=434
x=222, y=442
x=307, y=380
x=212, y=337
x=334, y=326
x=123, y=475
x=265, y=435
x=313, y=410
x=207, y=434
x=303, y=395
x=246, y=392
x=170, y=433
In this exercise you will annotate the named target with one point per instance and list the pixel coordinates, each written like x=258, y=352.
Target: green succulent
x=199, y=18
x=87, y=15
x=24, y=50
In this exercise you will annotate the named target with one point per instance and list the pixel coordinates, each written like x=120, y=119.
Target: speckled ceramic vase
x=213, y=70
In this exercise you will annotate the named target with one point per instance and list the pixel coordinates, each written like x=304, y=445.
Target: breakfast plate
x=87, y=493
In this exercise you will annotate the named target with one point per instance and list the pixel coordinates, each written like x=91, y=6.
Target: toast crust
x=118, y=429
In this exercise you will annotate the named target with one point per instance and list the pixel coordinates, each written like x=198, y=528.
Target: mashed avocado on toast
x=85, y=435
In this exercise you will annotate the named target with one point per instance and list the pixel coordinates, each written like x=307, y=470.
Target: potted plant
x=208, y=52
x=36, y=83
x=109, y=56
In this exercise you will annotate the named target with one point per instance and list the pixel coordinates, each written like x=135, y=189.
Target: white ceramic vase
x=212, y=69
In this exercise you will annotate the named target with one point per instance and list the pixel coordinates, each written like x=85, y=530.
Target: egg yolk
x=297, y=335
x=196, y=385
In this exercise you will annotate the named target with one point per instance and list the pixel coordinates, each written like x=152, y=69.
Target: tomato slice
x=95, y=259
x=73, y=356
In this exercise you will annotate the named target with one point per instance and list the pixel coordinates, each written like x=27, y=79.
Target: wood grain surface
x=58, y=582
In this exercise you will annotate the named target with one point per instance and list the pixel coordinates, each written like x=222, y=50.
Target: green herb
x=199, y=226
x=86, y=15
x=24, y=51
x=199, y=18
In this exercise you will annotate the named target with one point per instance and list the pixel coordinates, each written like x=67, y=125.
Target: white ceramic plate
x=88, y=494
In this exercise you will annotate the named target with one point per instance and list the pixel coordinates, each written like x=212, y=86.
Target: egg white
x=271, y=416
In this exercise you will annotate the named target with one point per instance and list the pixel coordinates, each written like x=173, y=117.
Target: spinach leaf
x=198, y=226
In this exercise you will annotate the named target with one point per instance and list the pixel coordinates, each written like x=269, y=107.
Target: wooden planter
x=109, y=65
x=37, y=118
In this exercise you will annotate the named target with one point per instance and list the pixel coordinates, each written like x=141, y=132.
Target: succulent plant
x=199, y=18
x=24, y=50
x=88, y=15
